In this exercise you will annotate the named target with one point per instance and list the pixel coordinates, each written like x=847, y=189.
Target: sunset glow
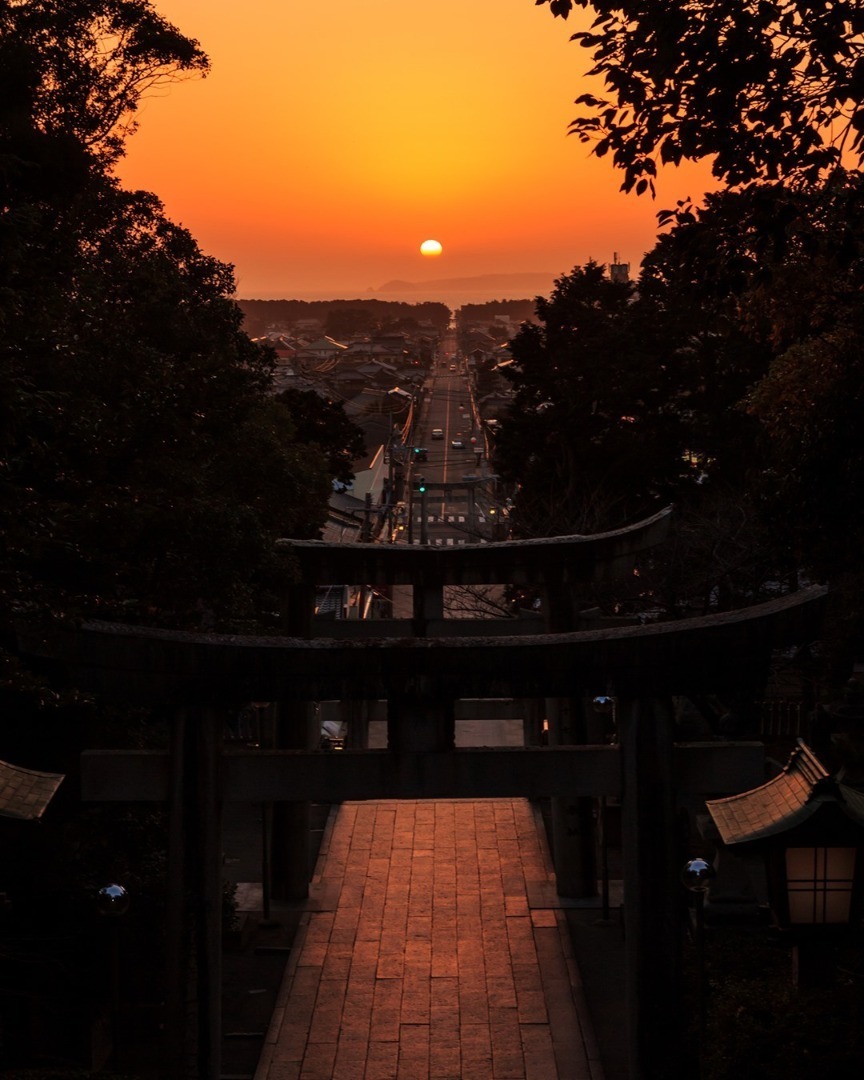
x=328, y=137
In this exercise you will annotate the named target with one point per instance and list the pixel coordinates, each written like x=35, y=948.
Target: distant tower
x=619, y=271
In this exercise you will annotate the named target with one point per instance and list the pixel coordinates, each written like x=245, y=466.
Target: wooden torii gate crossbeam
x=198, y=675
x=561, y=566
x=687, y=656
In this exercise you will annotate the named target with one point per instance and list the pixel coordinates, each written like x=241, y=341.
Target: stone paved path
x=434, y=947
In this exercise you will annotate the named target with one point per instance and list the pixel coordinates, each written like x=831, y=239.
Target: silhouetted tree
x=585, y=437
x=73, y=71
x=341, y=322
x=768, y=89
x=323, y=424
x=146, y=468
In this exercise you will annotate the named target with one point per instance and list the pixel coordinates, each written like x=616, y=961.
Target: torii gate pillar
x=573, y=828
x=297, y=729
x=653, y=855
x=574, y=840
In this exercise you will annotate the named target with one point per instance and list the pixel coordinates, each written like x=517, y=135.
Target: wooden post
x=299, y=610
x=428, y=604
x=355, y=716
x=574, y=841
x=297, y=729
x=176, y=959
x=424, y=518
x=533, y=715
x=204, y=835
x=472, y=511
x=420, y=722
x=573, y=828
x=651, y=888
x=294, y=729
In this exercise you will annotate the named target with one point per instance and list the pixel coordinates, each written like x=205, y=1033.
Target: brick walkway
x=434, y=947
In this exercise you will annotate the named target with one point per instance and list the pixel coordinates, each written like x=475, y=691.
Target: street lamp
x=696, y=876
x=112, y=902
x=498, y=525
x=604, y=705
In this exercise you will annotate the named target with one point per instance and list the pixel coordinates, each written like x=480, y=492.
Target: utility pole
x=366, y=531
x=419, y=486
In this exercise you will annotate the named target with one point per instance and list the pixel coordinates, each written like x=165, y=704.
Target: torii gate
x=420, y=678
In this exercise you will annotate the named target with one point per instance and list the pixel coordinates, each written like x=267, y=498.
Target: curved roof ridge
x=786, y=800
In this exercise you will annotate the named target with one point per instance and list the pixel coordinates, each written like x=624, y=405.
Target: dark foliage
x=349, y=315
x=768, y=89
x=323, y=424
x=760, y=1024
x=587, y=436
x=727, y=381
x=146, y=469
x=517, y=310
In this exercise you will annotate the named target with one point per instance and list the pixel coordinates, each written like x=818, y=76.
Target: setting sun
x=469, y=155
x=430, y=248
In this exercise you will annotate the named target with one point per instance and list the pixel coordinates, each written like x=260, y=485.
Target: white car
x=457, y=444
x=437, y=433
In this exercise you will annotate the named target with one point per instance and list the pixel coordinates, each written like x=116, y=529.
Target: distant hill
x=529, y=284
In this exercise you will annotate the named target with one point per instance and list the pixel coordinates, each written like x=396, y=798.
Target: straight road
x=449, y=432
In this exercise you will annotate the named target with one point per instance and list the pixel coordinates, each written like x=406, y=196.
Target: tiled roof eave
x=782, y=803
x=26, y=793
x=735, y=832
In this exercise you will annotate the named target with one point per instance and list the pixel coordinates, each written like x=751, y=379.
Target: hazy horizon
x=388, y=127
x=432, y=291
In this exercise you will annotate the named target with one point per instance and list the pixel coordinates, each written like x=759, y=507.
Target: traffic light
x=420, y=484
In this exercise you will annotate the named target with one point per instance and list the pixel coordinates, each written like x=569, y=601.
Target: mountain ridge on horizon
x=526, y=280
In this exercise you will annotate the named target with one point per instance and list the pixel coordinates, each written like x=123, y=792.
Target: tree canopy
x=729, y=380
x=146, y=466
x=584, y=435
x=768, y=89
x=341, y=316
x=73, y=71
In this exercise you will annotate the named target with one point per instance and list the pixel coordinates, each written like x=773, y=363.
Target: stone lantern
x=809, y=828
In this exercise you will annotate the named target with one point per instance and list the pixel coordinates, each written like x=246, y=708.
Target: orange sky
x=331, y=138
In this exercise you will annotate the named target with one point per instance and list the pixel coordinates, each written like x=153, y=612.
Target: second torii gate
x=197, y=674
